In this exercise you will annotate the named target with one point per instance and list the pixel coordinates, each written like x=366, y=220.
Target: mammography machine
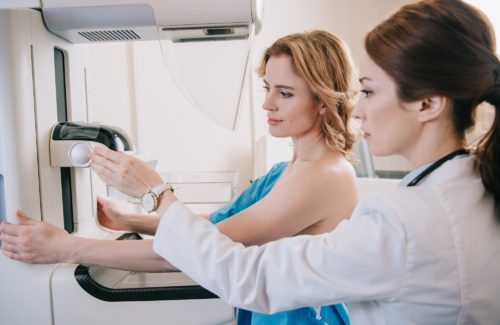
x=45, y=136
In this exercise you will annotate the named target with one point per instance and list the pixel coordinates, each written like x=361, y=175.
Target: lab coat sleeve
x=362, y=259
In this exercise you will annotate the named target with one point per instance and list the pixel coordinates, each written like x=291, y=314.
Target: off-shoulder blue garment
x=332, y=315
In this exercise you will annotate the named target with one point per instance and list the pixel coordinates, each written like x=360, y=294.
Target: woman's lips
x=272, y=121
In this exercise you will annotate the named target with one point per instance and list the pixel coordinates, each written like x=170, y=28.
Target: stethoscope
x=436, y=165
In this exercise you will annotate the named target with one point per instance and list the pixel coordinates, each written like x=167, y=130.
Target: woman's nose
x=358, y=112
x=269, y=104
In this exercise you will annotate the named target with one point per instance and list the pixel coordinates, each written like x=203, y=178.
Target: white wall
x=142, y=98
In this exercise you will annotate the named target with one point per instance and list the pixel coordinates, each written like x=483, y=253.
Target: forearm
x=133, y=255
x=143, y=223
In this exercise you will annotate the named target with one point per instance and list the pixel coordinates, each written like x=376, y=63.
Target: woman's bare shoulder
x=333, y=193
x=324, y=183
x=333, y=173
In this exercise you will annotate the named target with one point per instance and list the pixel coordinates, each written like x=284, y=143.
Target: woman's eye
x=266, y=88
x=284, y=94
x=366, y=92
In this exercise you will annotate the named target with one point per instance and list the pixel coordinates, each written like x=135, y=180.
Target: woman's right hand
x=124, y=172
x=111, y=216
x=35, y=242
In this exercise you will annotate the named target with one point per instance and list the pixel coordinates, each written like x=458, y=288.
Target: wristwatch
x=150, y=199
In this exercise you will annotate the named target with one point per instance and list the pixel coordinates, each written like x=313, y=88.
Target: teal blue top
x=335, y=314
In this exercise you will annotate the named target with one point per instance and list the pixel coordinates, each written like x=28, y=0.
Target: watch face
x=148, y=202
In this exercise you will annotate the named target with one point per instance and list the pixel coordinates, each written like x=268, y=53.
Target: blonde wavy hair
x=322, y=60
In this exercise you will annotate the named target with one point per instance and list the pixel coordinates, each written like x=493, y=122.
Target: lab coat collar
x=438, y=174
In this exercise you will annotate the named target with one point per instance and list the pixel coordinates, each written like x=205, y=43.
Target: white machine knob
x=79, y=154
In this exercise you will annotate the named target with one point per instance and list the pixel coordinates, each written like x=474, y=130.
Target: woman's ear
x=431, y=108
x=322, y=108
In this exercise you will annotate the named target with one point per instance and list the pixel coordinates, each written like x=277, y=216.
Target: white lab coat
x=428, y=254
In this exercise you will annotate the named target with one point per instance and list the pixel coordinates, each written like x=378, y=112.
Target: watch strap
x=158, y=190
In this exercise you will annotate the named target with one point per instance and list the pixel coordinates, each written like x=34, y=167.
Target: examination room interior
x=130, y=87
x=185, y=114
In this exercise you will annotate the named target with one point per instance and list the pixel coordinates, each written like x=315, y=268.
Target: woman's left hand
x=33, y=241
x=126, y=173
x=111, y=216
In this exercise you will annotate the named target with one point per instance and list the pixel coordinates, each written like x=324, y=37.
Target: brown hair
x=321, y=59
x=445, y=47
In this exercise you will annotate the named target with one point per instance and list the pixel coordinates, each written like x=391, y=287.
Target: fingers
x=16, y=235
x=122, y=175
x=109, y=164
x=101, y=200
x=23, y=218
x=126, y=173
x=8, y=246
x=105, y=174
x=99, y=203
x=36, y=242
x=104, y=162
x=101, y=151
x=9, y=229
x=101, y=214
x=14, y=248
x=13, y=253
x=113, y=159
x=9, y=242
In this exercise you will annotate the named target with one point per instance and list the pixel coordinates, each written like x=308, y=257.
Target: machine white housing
x=71, y=143
x=88, y=21
x=43, y=81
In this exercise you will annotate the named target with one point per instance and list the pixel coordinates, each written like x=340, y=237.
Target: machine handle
x=83, y=275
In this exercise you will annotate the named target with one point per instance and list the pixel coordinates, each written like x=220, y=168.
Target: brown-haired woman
x=427, y=252
x=309, y=88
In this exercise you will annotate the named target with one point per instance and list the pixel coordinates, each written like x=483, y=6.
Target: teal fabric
x=256, y=191
x=332, y=315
